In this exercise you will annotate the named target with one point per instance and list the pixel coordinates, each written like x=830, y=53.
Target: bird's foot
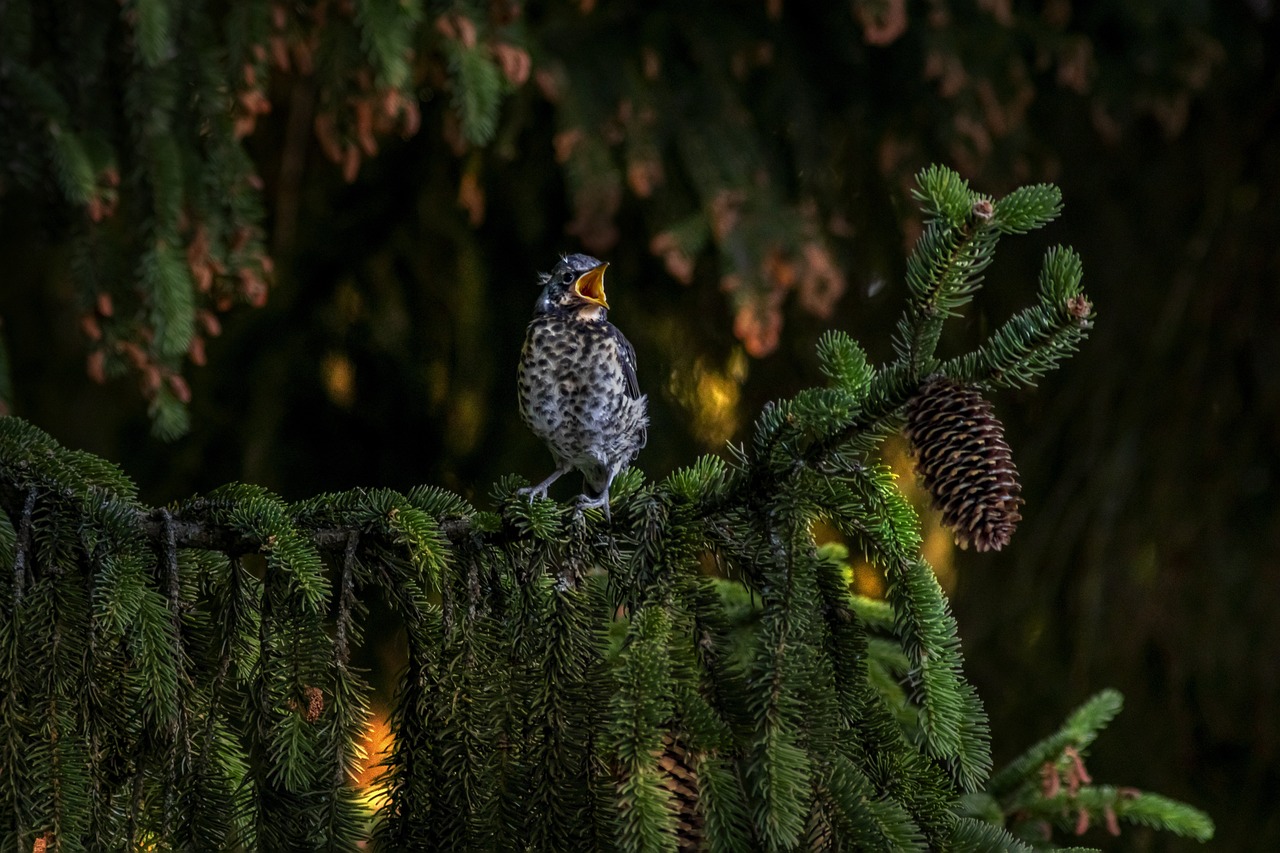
x=586, y=501
x=540, y=490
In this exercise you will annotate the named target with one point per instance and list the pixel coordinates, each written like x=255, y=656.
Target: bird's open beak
x=590, y=286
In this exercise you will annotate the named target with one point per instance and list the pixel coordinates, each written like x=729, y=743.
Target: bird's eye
x=567, y=278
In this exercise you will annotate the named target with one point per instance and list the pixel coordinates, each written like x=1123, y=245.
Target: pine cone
x=679, y=778
x=962, y=457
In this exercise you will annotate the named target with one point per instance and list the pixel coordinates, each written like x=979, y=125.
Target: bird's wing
x=627, y=354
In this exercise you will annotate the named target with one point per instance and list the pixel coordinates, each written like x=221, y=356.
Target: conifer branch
x=1078, y=732
x=180, y=741
x=346, y=599
x=572, y=683
x=22, y=550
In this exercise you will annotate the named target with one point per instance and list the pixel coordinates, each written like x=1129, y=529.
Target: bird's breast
x=571, y=383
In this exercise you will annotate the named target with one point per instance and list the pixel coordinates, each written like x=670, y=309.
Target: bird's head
x=575, y=286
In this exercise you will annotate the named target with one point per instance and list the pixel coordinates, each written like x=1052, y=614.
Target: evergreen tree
x=693, y=675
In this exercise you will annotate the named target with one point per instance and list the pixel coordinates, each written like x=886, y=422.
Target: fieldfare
x=578, y=387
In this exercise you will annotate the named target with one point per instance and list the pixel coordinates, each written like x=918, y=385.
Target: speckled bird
x=578, y=386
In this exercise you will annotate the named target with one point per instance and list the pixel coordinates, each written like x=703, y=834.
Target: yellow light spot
x=868, y=580
x=939, y=549
x=437, y=382
x=339, y=376
x=937, y=542
x=824, y=533
x=465, y=418
x=711, y=395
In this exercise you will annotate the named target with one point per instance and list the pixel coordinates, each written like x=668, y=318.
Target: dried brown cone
x=315, y=704
x=681, y=781
x=965, y=463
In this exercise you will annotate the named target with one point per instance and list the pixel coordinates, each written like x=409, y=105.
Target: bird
x=577, y=382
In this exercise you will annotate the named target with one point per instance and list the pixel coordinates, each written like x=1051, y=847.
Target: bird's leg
x=603, y=473
x=601, y=500
x=540, y=490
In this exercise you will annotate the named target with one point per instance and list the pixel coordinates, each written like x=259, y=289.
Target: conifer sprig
x=1048, y=787
x=1035, y=340
x=1078, y=732
x=946, y=267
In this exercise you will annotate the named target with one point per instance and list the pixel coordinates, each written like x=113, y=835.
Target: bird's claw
x=531, y=492
x=585, y=502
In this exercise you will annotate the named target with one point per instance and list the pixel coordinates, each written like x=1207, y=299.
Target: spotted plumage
x=577, y=381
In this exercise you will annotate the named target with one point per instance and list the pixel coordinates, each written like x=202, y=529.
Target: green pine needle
x=170, y=419
x=876, y=613
x=168, y=190
x=973, y=761
x=1028, y=208
x=1152, y=810
x=873, y=823
x=638, y=710
x=1165, y=814
x=72, y=166
x=700, y=481
x=153, y=30
x=421, y=536
x=969, y=835
x=386, y=33
x=478, y=91
x=438, y=502
x=943, y=195
x=844, y=362
x=173, y=310
x=1060, y=276
x=725, y=806
x=777, y=777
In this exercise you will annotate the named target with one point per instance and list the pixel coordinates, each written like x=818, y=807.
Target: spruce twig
x=169, y=565
x=346, y=598
x=135, y=802
x=22, y=554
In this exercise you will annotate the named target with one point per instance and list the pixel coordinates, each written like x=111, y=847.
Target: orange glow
x=374, y=746
x=868, y=581
x=937, y=542
x=939, y=548
x=824, y=533
x=339, y=376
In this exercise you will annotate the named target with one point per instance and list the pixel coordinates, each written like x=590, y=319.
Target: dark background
x=1148, y=556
